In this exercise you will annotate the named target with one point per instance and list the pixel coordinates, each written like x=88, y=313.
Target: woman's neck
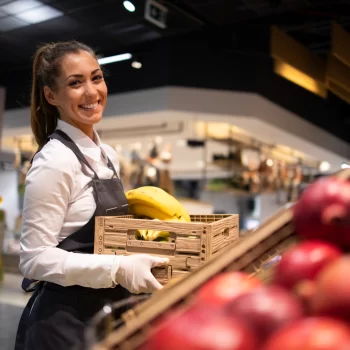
x=87, y=129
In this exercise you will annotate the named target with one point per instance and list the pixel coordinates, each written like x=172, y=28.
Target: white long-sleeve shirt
x=57, y=202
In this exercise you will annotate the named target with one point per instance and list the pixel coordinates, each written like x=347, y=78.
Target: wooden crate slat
x=188, y=244
x=220, y=242
x=116, y=239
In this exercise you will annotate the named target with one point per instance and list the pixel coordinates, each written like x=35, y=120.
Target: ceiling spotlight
x=129, y=6
x=324, y=166
x=345, y=166
x=136, y=64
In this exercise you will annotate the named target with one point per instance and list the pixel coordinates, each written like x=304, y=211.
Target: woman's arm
x=48, y=186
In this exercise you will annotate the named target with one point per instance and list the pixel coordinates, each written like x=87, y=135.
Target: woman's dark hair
x=46, y=69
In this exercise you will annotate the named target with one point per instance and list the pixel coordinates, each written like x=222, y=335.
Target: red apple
x=195, y=329
x=332, y=290
x=303, y=262
x=225, y=287
x=266, y=309
x=311, y=334
x=323, y=212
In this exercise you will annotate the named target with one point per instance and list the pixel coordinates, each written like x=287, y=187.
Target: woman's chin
x=90, y=119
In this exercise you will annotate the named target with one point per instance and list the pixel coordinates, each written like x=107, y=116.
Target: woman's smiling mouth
x=90, y=106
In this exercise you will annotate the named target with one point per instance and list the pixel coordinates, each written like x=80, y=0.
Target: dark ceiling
x=107, y=26
x=217, y=33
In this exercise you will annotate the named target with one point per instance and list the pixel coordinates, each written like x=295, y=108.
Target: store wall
x=270, y=203
x=251, y=112
x=9, y=193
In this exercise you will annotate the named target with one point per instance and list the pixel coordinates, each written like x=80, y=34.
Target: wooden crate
x=252, y=251
x=190, y=246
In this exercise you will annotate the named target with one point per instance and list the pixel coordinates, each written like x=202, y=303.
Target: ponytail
x=46, y=69
x=43, y=115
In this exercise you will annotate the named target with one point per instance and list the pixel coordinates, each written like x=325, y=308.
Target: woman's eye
x=98, y=77
x=74, y=83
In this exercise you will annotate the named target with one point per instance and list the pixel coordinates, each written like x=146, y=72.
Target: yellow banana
x=151, y=212
x=153, y=197
x=141, y=234
x=185, y=217
x=159, y=200
x=153, y=235
x=181, y=211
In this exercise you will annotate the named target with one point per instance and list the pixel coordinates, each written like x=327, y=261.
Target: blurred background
x=232, y=106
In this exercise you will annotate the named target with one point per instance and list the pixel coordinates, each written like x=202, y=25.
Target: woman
x=72, y=180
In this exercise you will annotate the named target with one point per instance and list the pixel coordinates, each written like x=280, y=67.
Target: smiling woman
x=72, y=180
x=82, y=92
x=67, y=82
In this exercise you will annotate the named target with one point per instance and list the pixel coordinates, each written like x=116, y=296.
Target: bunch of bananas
x=155, y=203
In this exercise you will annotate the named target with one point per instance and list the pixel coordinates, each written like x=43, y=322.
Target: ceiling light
x=136, y=64
x=16, y=7
x=324, y=166
x=345, y=166
x=116, y=58
x=39, y=14
x=129, y=6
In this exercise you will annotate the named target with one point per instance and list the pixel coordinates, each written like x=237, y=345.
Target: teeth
x=92, y=106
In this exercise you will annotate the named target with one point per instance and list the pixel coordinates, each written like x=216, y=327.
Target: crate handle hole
x=226, y=232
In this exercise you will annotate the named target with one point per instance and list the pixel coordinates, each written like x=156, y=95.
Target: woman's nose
x=90, y=89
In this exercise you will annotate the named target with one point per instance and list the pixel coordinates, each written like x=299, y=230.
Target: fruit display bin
x=251, y=254
x=190, y=245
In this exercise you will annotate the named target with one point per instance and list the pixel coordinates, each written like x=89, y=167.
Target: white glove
x=133, y=272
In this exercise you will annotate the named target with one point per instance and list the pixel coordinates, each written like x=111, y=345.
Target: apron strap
x=67, y=141
x=111, y=166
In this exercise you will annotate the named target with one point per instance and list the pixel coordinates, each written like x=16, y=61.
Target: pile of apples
x=306, y=306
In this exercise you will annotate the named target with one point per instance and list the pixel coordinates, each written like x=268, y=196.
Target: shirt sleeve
x=47, y=193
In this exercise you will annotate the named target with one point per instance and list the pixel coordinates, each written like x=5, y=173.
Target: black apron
x=56, y=316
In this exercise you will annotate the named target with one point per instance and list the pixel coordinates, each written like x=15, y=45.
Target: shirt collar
x=88, y=147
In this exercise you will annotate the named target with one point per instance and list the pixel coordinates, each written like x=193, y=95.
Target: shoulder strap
x=111, y=166
x=67, y=141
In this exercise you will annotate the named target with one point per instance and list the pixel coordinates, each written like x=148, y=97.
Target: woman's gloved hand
x=133, y=272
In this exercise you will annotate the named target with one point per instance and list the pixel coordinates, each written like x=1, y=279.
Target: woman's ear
x=50, y=96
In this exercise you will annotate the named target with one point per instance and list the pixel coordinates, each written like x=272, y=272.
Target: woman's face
x=81, y=92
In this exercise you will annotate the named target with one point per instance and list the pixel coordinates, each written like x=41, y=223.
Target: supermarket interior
x=228, y=123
